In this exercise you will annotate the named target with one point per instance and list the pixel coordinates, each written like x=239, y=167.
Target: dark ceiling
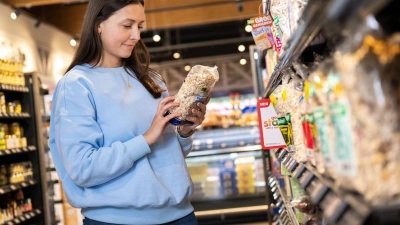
x=198, y=41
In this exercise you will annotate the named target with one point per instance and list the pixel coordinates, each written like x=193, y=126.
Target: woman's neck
x=109, y=63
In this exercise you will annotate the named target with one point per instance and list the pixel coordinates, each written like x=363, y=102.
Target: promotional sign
x=270, y=134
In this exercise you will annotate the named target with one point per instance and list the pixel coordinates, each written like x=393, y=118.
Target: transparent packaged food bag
x=195, y=88
x=370, y=82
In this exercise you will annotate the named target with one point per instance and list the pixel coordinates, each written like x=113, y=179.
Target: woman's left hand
x=198, y=117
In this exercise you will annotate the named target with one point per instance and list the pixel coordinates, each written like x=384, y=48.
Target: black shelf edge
x=9, y=87
x=13, y=187
x=15, y=115
x=14, y=151
x=26, y=216
x=335, y=202
x=286, y=212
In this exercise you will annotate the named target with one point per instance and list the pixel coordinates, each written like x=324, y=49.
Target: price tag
x=12, y=187
x=7, y=152
x=13, y=151
x=22, y=219
x=32, y=214
x=31, y=182
x=10, y=223
x=18, y=150
x=2, y=191
x=17, y=221
x=1, y=152
x=24, y=184
x=24, y=149
x=27, y=216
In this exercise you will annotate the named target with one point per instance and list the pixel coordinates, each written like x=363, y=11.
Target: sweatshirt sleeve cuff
x=186, y=143
x=137, y=147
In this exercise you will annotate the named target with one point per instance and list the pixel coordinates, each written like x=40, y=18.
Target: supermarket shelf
x=339, y=206
x=14, y=151
x=286, y=213
x=261, y=208
x=316, y=15
x=195, y=153
x=9, y=87
x=14, y=115
x=24, y=217
x=9, y=188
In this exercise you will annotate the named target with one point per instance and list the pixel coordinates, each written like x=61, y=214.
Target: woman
x=116, y=154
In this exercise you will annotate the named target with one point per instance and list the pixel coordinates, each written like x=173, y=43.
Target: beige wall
x=22, y=34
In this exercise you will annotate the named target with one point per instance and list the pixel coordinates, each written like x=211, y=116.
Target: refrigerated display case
x=226, y=168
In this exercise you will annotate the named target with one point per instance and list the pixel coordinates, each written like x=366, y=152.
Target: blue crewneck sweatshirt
x=105, y=165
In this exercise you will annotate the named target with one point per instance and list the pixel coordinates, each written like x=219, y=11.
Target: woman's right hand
x=160, y=122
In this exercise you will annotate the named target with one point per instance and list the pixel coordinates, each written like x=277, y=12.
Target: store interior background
x=203, y=32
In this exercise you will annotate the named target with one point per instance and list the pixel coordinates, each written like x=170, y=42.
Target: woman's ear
x=99, y=28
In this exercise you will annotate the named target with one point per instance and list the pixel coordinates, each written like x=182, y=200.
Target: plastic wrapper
x=367, y=93
x=195, y=88
x=287, y=101
x=296, y=10
x=281, y=26
x=319, y=108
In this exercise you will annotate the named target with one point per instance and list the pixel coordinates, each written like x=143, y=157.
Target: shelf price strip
x=13, y=187
x=14, y=88
x=24, y=217
x=16, y=150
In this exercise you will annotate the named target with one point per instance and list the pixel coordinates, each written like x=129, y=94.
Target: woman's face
x=120, y=33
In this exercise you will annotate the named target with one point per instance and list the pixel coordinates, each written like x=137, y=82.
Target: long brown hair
x=90, y=46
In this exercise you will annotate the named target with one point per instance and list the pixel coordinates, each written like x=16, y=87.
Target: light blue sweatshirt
x=105, y=165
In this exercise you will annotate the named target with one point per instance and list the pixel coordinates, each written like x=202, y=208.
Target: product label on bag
x=270, y=134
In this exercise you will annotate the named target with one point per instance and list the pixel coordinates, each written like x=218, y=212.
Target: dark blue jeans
x=186, y=220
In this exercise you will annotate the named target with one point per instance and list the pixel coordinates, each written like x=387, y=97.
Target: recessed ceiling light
x=243, y=62
x=72, y=42
x=177, y=55
x=187, y=68
x=241, y=48
x=156, y=38
x=248, y=28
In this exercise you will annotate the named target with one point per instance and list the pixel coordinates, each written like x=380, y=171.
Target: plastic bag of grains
x=195, y=88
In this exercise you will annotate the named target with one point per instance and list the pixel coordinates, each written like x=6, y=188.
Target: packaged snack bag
x=195, y=88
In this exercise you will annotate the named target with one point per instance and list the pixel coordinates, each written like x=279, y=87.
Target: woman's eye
x=140, y=28
x=127, y=26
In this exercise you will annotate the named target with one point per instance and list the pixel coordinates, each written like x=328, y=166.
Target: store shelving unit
x=321, y=17
x=36, y=187
x=211, y=146
x=339, y=206
x=330, y=20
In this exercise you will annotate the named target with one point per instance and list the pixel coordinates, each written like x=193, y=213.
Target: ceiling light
x=72, y=42
x=241, y=48
x=248, y=28
x=15, y=14
x=177, y=55
x=243, y=62
x=255, y=55
x=187, y=68
x=156, y=38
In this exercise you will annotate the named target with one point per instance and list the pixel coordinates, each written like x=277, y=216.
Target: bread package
x=195, y=88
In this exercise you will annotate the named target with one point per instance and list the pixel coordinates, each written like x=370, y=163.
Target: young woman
x=116, y=154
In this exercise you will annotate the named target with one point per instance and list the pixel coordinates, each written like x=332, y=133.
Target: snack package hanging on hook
x=195, y=88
